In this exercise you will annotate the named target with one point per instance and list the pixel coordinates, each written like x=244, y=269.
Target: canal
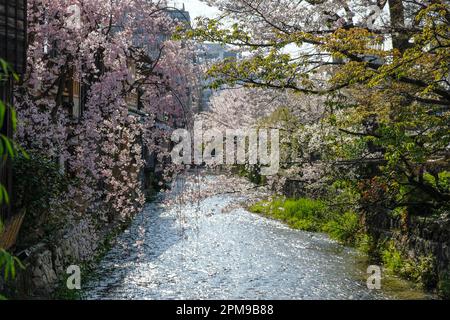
x=203, y=248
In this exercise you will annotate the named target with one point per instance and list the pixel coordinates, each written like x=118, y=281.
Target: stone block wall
x=46, y=262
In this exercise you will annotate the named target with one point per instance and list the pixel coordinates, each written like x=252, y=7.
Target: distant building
x=153, y=168
x=207, y=54
x=214, y=52
x=180, y=15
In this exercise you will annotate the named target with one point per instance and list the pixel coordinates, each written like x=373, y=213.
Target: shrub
x=252, y=173
x=259, y=207
x=302, y=224
x=420, y=270
x=38, y=186
x=305, y=208
x=303, y=214
x=344, y=228
x=392, y=258
x=444, y=286
x=365, y=243
x=423, y=271
x=37, y=181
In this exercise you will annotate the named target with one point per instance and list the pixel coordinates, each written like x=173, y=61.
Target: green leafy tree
x=389, y=103
x=8, y=150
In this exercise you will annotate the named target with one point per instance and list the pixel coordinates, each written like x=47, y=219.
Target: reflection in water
x=197, y=251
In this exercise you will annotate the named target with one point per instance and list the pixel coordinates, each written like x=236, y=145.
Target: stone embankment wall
x=425, y=236
x=46, y=263
x=415, y=237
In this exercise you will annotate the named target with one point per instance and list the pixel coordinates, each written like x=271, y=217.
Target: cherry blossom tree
x=117, y=51
x=240, y=108
x=385, y=55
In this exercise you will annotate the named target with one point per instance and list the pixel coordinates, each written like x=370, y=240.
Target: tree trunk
x=400, y=38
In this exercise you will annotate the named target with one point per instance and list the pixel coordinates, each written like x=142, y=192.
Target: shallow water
x=197, y=251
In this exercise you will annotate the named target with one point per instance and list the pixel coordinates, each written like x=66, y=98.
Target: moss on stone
x=444, y=285
x=420, y=270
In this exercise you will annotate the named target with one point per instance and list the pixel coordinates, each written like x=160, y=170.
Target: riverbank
x=61, y=227
x=348, y=228
x=314, y=216
x=87, y=267
x=45, y=263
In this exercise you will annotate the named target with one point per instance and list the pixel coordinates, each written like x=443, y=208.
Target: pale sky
x=199, y=8
x=196, y=8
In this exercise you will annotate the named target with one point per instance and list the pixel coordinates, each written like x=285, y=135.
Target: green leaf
x=22, y=152
x=4, y=195
x=9, y=145
x=1, y=194
x=8, y=262
x=13, y=118
x=2, y=113
x=5, y=66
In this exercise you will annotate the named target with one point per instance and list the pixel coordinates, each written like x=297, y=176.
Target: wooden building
x=13, y=35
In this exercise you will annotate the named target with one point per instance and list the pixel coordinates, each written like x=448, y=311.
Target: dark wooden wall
x=13, y=35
